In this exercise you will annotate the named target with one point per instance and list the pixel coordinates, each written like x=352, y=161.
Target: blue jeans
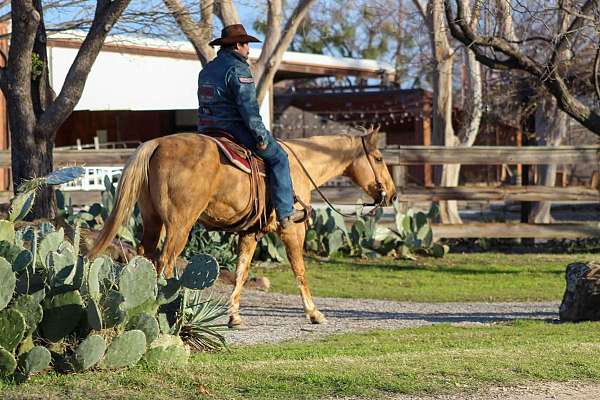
x=278, y=170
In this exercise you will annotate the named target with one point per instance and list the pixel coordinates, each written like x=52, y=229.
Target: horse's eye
x=378, y=159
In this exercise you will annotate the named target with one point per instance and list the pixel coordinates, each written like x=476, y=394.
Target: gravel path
x=273, y=317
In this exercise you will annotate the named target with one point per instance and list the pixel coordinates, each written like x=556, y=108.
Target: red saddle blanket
x=237, y=154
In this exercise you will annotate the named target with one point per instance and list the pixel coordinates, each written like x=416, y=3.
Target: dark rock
x=581, y=301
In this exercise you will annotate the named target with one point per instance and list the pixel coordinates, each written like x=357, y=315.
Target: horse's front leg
x=293, y=238
x=246, y=247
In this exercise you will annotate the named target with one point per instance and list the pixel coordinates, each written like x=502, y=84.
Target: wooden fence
x=402, y=156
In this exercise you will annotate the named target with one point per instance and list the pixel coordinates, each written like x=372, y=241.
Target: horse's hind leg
x=293, y=238
x=246, y=247
x=152, y=224
x=175, y=240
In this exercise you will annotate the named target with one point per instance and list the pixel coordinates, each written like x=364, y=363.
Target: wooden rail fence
x=398, y=158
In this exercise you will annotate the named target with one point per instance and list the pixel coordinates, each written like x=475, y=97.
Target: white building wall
x=122, y=81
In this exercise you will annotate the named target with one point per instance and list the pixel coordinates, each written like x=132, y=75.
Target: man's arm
x=241, y=83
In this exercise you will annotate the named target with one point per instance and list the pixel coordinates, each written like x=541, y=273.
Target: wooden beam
x=514, y=193
x=403, y=155
x=81, y=157
x=516, y=230
x=489, y=155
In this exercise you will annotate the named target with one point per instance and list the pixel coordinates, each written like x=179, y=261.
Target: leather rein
x=378, y=184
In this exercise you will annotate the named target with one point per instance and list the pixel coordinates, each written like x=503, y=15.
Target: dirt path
x=273, y=317
x=538, y=391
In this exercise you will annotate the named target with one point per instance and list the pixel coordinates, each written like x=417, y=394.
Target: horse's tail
x=133, y=179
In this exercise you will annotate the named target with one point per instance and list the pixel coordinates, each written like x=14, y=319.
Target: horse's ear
x=373, y=139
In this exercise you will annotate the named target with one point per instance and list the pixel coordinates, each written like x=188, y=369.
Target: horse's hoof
x=235, y=322
x=316, y=317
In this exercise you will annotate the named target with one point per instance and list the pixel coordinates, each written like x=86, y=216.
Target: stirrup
x=305, y=208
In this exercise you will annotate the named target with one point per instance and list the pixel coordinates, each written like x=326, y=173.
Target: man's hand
x=261, y=146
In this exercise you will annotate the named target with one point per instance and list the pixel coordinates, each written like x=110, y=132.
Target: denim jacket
x=227, y=97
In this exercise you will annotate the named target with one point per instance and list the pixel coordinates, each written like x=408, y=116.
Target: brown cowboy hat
x=234, y=34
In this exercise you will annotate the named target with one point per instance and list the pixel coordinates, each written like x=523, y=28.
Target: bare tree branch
x=226, y=12
x=287, y=36
x=421, y=8
x=198, y=34
x=272, y=36
x=597, y=73
x=18, y=70
x=106, y=15
x=547, y=74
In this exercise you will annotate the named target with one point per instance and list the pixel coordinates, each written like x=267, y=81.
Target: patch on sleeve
x=244, y=79
x=206, y=92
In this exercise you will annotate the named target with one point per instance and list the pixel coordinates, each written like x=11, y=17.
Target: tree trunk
x=551, y=128
x=443, y=102
x=31, y=154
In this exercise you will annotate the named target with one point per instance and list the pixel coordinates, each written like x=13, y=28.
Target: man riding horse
x=227, y=102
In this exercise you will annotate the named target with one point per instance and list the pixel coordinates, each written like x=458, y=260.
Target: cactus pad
x=22, y=260
x=7, y=231
x=145, y=323
x=110, y=309
x=138, y=283
x=62, y=313
x=12, y=329
x=21, y=205
x=8, y=281
x=201, y=272
x=94, y=277
x=167, y=350
x=94, y=316
x=35, y=360
x=8, y=364
x=51, y=242
x=89, y=352
x=168, y=292
x=125, y=350
x=64, y=175
x=31, y=310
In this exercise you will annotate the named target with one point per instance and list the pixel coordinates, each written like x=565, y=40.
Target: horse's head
x=368, y=170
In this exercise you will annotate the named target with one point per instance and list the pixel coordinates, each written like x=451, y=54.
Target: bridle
x=378, y=185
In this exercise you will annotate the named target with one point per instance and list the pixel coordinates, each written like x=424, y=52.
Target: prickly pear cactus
x=62, y=313
x=31, y=310
x=12, y=329
x=138, y=283
x=8, y=281
x=201, y=272
x=23, y=260
x=110, y=308
x=8, y=364
x=125, y=350
x=50, y=242
x=64, y=175
x=21, y=205
x=89, y=352
x=7, y=231
x=94, y=315
x=35, y=360
x=145, y=323
x=168, y=291
x=99, y=269
x=167, y=350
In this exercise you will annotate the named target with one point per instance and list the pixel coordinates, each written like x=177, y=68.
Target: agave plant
x=198, y=323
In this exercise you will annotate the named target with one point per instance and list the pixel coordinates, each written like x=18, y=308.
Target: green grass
x=425, y=360
x=457, y=277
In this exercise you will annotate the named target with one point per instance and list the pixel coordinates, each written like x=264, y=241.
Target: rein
x=378, y=184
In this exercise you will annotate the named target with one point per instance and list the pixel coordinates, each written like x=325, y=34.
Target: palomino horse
x=180, y=179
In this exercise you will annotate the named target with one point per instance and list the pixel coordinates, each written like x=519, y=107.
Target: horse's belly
x=231, y=199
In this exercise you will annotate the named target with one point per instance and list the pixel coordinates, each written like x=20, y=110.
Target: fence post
x=399, y=176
